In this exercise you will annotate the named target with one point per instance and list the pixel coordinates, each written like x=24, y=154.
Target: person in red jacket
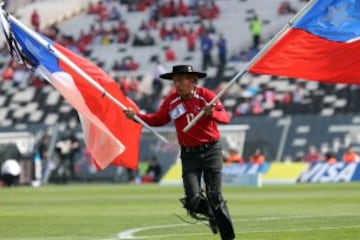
x=35, y=20
x=201, y=151
x=257, y=158
x=350, y=156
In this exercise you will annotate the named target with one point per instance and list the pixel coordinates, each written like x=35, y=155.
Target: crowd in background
x=251, y=98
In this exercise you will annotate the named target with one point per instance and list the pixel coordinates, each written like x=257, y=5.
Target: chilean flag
x=322, y=45
x=108, y=134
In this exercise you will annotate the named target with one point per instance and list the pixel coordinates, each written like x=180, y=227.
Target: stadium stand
x=322, y=115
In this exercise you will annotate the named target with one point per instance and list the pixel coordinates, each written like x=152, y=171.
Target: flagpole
x=78, y=70
x=244, y=70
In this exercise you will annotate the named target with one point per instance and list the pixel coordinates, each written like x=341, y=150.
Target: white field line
x=124, y=236
x=130, y=234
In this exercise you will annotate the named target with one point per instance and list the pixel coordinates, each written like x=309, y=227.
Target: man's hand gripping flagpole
x=253, y=60
x=7, y=17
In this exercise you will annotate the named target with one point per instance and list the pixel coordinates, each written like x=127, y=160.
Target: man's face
x=184, y=84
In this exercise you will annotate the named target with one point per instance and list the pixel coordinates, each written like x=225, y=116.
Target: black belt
x=199, y=148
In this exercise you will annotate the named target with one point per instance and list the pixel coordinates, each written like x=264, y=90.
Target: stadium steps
x=52, y=11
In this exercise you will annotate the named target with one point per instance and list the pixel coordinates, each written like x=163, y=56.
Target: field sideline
x=110, y=212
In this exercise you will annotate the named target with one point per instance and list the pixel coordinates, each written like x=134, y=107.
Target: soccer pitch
x=110, y=212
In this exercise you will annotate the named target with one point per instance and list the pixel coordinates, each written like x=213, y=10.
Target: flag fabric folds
x=322, y=45
x=109, y=136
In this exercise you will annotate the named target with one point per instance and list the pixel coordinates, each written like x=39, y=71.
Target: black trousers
x=207, y=164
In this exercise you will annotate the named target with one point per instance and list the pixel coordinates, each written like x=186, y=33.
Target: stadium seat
x=51, y=119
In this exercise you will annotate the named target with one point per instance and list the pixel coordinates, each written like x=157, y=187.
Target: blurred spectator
x=243, y=108
x=350, y=156
x=206, y=47
x=211, y=27
x=8, y=73
x=170, y=55
x=123, y=33
x=284, y=101
x=96, y=8
x=252, y=89
x=103, y=15
x=127, y=64
x=154, y=11
x=158, y=84
x=256, y=28
x=131, y=64
x=142, y=168
x=256, y=105
x=114, y=14
x=202, y=30
x=234, y=157
x=299, y=94
x=175, y=32
x=124, y=84
x=172, y=8
x=131, y=6
x=330, y=158
x=10, y=172
x=94, y=33
x=9, y=151
x=168, y=9
x=209, y=10
x=313, y=155
x=242, y=56
x=106, y=38
x=43, y=148
x=52, y=32
x=286, y=98
x=141, y=6
x=285, y=8
x=183, y=8
x=222, y=60
x=117, y=66
x=67, y=148
x=143, y=39
x=144, y=26
x=153, y=173
x=134, y=88
x=35, y=20
x=222, y=51
x=300, y=157
x=165, y=33
x=269, y=97
x=131, y=175
x=37, y=82
x=257, y=158
x=43, y=153
x=191, y=40
x=153, y=23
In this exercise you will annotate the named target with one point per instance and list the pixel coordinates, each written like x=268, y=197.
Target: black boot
x=213, y=225
x=224, y=222
x=199, y=209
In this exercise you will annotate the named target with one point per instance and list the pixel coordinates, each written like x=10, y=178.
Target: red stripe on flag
x=126, y=131
x=299, y=54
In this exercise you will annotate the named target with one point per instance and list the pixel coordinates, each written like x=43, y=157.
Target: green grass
x=99, y=212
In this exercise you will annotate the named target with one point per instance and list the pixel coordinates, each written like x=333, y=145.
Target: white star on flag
x=337, y=16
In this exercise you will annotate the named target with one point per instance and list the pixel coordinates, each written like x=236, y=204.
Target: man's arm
x=217, y=111
x=159, y=118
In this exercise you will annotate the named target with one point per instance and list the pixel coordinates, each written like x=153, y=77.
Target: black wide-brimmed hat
x=182, y=69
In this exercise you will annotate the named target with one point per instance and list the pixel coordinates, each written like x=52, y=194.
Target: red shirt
x=182, y=111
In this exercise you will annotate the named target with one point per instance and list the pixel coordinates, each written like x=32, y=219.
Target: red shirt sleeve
x=159, y=118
